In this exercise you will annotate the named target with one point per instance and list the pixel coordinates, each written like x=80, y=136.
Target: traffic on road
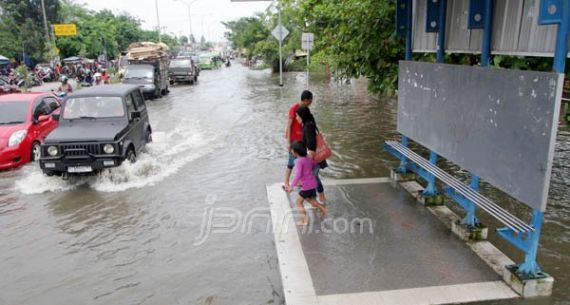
x=101, y=125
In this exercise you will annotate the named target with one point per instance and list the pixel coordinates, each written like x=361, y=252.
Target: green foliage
x=522, y=63
x=246, y=33
x=10, y=45
x=354, y=37
x=23, y=72
x=22, y=29
x=103, y=31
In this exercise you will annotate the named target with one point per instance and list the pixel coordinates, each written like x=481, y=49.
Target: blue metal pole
x=530, y=267
x=487, y=34
x=404, y=161
x=485, y=56
x=561, y=50
x=431, y=189
x=409, y=31
x=470, y=219
x=441, y=31
x=405, y=141
x=474, y=183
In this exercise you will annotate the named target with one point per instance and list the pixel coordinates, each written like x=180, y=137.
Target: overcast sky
x=206, y=14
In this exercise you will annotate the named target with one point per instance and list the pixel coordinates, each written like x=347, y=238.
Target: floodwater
x=136, y=235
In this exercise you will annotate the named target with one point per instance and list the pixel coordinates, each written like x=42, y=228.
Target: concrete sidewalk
x=377, y=246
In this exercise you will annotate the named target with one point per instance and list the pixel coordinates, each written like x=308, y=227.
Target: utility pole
x=45, y=22
x=189, y=24
x=307, y=40
x=308, y=66
x=157, y=20
x=189, y=6
x=280, y=46
x=279, y=33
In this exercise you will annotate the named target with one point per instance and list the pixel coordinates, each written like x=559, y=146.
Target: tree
x=357, y=38
x=10, y=45
x=23, y=20
x=183, y=40
x=22, y=29
x=172, y=42
x=251, y=34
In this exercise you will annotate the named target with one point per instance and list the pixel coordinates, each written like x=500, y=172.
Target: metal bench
x=499, y=125
x=508, y=219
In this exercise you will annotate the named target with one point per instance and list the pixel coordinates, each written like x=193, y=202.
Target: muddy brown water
x=135, y=235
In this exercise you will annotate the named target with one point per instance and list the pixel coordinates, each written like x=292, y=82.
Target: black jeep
x=99, y=128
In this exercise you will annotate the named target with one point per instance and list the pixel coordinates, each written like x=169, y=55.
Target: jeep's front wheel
x=36, y=152
x=131, y=156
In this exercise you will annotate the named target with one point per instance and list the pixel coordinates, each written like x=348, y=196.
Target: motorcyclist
x=80, y=77
x=57, y=71
x=89, y=78
x=65, y=86
x=11, y=77
x=98, y=81
x=105, y=77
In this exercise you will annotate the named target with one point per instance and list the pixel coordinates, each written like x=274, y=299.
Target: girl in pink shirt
x=304, y=173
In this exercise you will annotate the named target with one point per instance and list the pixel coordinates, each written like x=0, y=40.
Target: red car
x=25, y=120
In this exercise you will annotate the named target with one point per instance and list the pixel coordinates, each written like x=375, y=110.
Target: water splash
x=167, y=154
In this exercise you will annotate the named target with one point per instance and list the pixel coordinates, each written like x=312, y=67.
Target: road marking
x=450, y=294
x=356, y=181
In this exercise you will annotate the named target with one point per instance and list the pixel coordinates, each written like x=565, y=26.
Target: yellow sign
x=68, y=29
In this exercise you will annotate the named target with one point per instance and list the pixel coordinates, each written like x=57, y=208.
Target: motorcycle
x=5, y=79
x=58, y=93
x=33, y=80
x=85, y=80
x=46, y=75
x=86, y=84
x=6, y=87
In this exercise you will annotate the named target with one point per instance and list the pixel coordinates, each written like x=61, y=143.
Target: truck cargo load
x=147, y=50
x=148, y=67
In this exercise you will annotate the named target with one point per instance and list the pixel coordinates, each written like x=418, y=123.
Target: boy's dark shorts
x=308, y=194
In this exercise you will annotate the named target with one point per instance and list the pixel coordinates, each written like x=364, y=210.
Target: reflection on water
x=128, y=236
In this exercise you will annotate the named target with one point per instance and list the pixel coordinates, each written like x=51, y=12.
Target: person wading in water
x=304, y=174
x=310, y=130
x=294, y=131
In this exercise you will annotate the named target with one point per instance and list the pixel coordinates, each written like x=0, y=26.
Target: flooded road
x=136, y=235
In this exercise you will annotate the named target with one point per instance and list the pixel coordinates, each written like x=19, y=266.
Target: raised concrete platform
x=379, y=246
